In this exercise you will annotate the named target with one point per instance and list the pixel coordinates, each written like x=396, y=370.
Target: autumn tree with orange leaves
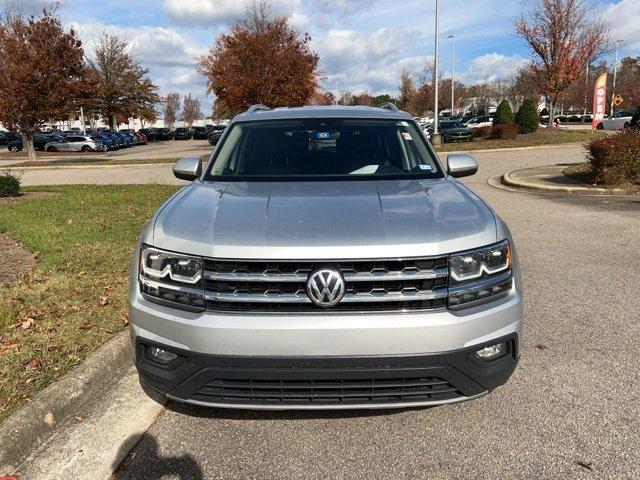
x=43, y=75
x=263, y=60
x=564, y=36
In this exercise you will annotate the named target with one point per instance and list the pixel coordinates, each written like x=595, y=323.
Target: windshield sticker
x=323, y=135
x=406, y=136
x=425, y=167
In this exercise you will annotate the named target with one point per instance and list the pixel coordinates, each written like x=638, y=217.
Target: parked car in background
x=215, y=136
x=76, y=143
x=200, y=133
x=149, y=133
x=108, y=141
x=6, y=137
x=182, y=133
x=142, y=138
x=617, y=121
x=163, y=134
x=453, y=131
x=39, y=141
x=478, y=122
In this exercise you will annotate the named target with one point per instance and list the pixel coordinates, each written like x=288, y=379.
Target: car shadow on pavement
x=245, y=414
x=146, y=462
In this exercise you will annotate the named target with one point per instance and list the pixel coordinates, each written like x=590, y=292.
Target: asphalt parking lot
x=570, y=410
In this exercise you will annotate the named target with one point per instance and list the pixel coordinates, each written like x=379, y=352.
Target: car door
x=75, y=143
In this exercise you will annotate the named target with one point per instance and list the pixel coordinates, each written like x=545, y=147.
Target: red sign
x=599, y=100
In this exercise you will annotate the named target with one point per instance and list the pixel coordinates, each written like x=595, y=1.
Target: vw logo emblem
x=325, y=287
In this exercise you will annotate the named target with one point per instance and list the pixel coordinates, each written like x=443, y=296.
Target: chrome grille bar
x=301, y=297
x=349, y=276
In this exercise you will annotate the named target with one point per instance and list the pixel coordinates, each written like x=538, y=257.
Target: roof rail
x=258, y=107
x=389, y=106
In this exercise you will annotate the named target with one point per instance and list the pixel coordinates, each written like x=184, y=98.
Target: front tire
x=14, y=148
x=85, y=148
x=600, y=126
x=52, y=149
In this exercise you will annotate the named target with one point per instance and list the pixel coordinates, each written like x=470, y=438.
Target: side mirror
x=461, y=165
x=187, y=168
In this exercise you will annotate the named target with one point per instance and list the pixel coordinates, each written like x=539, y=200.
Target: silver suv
x=325, y=258
x=76, y=143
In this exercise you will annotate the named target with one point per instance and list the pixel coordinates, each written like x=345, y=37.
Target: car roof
x=330, y=111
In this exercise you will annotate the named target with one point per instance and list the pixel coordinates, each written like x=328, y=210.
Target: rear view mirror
x=461, y=165
x=187, y=168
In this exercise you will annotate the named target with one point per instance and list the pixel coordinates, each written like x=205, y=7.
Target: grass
x=581, y=172
x=542, y=137
x=76, y=298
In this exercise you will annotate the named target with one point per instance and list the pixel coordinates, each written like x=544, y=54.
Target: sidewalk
x=549, y=178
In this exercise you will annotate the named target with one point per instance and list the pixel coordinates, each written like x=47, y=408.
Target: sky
x=362, y=44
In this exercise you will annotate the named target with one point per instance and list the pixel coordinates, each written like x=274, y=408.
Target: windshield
x=321, y=148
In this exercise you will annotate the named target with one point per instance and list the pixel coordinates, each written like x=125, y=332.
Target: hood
x=324, y=220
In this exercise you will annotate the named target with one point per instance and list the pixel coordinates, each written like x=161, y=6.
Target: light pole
x=615, y=73
x=453, y=70
x=436, y=135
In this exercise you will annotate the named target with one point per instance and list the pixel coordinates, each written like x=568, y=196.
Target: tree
x=503, y=113
x=124, y=87
x=527, y=117
x=384, y=98
x=323, y=98
x=263, y=60
x=170, y=108
x=564, y=39
x=628, y=81
x=145, y=115
x=43, y=76
x=363, y=99
x=406, y=89
x=190, y=109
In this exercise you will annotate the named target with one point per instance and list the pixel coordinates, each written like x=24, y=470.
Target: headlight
x=480, y=275
x=172, y=278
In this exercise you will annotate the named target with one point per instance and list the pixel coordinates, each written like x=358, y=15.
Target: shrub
x=482, y=131
x=616, y=158
x=505, y=131
x=527, y=117
x=503, y=113
x=635, y=120
x=9, y=184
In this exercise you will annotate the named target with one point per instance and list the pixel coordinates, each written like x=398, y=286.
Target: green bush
x=505, y=131
x=9, y=185
x=503, y=113
x=616, y=159
x=527, y=117
x=635, y=120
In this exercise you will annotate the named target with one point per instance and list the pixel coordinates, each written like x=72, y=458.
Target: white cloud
x=207, y=13
x=624, y=19
x=491, y=66
x=169, y=53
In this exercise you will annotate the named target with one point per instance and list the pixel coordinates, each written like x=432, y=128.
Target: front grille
x=327, y=392
x=371, y=285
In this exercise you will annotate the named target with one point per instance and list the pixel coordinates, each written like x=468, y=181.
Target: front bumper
x=326, y=382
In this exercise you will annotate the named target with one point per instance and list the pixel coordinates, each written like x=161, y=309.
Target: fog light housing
x=492, y=351
x=161, y=356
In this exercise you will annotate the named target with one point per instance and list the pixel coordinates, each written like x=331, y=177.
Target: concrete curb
x=30, y=427
x=516, y=149
x=540, y=185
